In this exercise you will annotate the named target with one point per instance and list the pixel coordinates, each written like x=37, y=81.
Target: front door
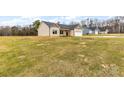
x=66, y=33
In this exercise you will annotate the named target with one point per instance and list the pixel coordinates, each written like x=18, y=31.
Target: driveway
x=109, y=36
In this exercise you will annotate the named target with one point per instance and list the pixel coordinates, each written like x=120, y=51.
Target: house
x=90, y=30
x=103, y=30
x=56, y=29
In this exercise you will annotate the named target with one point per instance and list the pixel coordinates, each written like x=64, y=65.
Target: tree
x=73, y=23
x=83, y=23
x=36, y=24
x=14, y=30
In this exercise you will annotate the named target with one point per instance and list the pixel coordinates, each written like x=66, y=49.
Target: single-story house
x=90, y=30
x=103, y=30
x=56, y=29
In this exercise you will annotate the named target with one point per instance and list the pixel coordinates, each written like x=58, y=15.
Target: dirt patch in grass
x=42, y=44
x=4, y=48
x=87, y=38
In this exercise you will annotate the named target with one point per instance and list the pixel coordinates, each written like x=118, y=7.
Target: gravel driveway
x=109, y=36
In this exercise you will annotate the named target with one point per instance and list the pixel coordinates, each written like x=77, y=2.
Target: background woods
x=30, y=30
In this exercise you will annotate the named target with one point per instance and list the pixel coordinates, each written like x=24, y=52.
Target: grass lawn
x=62, y=56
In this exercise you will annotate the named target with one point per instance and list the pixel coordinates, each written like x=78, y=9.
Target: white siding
x=96, y=31
x=86, y=31
x=43, y=30
x=64, y=33
x=77, y=32
x=72, y=33
x=54, y=28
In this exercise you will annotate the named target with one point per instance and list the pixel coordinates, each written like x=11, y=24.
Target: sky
x=26, y=20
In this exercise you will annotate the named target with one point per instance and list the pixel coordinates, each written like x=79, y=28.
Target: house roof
x=61, y=26
x=70, y=27
x=50, y=24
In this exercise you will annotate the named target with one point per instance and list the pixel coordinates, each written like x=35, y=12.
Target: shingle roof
x=50, y=24
x=61, y=26
x=70, y=27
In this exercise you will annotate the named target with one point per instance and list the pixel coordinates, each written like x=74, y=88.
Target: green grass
x=62, y=56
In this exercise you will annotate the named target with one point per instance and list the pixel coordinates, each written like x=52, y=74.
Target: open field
x=62, y=56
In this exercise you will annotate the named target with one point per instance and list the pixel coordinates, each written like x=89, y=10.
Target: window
x=61, y=32
x=54, y=31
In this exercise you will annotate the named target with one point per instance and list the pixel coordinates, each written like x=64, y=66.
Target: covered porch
x=65, y=32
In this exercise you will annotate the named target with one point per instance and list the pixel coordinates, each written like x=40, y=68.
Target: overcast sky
x=25, y=20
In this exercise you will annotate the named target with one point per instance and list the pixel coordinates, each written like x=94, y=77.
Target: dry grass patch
x=4, y=48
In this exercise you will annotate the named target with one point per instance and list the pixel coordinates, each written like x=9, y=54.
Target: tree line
x=114, y=24
x=30, y=30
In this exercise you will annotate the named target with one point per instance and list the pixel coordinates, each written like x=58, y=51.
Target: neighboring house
x=90, y=30
x=56, y=29
x=103, y=30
